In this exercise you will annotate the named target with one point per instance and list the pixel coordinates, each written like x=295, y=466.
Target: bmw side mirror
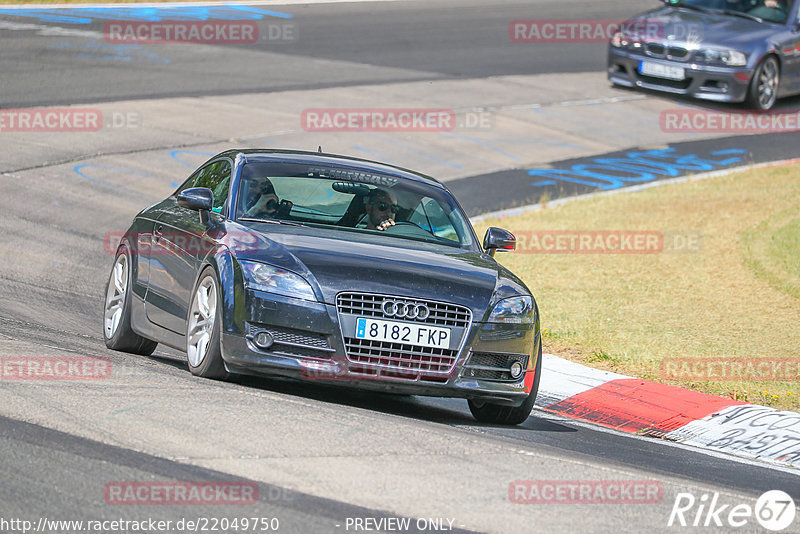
x=498, y=239
x=198, y=199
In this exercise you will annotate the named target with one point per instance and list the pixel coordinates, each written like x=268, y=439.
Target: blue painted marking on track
x=174, y=155
x=636, y=167
x=79, y=170
x=87, y=15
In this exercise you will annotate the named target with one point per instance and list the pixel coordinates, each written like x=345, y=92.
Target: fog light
x=264, y=340
x=515, y=370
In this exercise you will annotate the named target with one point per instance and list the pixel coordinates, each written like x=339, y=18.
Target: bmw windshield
x=351, y=200
x=759, y=10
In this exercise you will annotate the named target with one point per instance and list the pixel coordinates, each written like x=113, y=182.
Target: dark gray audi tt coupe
x=327, y=269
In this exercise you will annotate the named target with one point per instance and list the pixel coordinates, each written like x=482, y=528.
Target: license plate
x=396, y=332
x=661, y=71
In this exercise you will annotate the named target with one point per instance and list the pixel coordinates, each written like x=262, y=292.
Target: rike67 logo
x=774, y=511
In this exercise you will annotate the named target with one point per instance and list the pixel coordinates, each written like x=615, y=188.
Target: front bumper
x=716, y=83
x=309, y=345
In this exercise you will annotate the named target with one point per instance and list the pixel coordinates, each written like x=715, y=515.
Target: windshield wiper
x=273, y=221
x=741, y=14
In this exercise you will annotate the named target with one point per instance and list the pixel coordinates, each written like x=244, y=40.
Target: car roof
x=251, y=155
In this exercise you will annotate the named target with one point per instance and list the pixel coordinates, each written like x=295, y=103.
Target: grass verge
x=724, y=288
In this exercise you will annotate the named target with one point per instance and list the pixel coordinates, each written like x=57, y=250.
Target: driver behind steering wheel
x=262, y=200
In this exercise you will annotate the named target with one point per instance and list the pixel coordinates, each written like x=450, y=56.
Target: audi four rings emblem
x=405, y=310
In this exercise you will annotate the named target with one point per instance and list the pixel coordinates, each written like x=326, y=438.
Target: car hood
x=403, y=268
x=703, y=29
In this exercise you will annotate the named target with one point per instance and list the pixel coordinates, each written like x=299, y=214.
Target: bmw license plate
x=661, y=71
x=396, y=332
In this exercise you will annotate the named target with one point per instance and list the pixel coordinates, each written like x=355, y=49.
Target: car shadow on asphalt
x=784, y=105
x=444, y=410
x=449, y=411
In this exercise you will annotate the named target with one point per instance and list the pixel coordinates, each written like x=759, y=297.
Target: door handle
x=158, y=232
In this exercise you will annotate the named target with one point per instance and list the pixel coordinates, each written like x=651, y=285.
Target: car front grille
x=675, y=84
x=400, y=356
x=407, y=360
x=369, y=305
x=664, y=51
x=492, y=366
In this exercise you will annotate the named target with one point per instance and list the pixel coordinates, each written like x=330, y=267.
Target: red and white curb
x=648, y=408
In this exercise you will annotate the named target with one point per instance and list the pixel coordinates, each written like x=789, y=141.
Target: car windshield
x=351, y=200
x=764, y=10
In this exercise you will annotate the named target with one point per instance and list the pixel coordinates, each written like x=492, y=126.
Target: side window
x=215, y=176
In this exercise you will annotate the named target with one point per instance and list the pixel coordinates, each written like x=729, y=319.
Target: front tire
x=117, y=331
x=203, y=329
x=499, y=414
x=763, y=90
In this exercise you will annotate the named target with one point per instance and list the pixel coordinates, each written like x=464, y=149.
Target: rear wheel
x=117, y=331
x=763, y=90
x=203, y=329
x=499, y=414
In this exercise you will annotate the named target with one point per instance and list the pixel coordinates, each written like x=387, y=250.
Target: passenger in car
x=381, y=208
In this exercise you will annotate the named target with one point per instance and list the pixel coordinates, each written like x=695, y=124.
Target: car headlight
x=271, y=279
x=732, y=58
x=618, y=40
x=517, y=310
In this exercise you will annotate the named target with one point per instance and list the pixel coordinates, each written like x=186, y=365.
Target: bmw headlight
x=271, y=279
x=618, y=40
x=732, y=58
x=517, y=310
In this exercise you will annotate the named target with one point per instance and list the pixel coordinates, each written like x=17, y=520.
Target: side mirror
x=498, y=239
x=198, y=199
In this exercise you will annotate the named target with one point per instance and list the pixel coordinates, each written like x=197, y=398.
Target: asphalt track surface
x=318, y=455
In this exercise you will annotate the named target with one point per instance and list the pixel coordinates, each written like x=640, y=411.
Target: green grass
x=736, y=293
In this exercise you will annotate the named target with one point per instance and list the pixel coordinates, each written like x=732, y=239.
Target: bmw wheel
x=487, y=412
x=763, y=90
x=203, y=329
x=117, y=331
